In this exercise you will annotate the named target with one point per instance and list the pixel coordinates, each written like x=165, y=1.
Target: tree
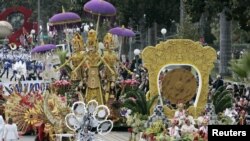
x=241, y=67
x=228, y=10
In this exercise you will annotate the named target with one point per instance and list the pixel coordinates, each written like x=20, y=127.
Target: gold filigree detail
x=180, y=52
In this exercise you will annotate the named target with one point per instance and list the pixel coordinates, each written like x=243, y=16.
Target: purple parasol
x=64, y=18
x=122, y=31
x=100, y=7
x=43, y=48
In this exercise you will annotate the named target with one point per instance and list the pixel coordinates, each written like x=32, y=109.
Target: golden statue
x=112, y=59
x=93, y=60
x=77, y=56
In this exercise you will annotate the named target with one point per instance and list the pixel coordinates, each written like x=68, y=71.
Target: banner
x=36, y=85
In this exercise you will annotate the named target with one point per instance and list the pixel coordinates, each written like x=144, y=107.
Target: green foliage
x=189, y=30
x=196, y=7
x=225, y=102
x=161, y=12
x=187, y=137
x=136, y=101
x=224, y=120
x=218, y=95
x=242, y=67
x=62, y=57
x=222, y=99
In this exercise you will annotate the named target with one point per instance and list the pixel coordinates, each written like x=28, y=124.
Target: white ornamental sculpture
x=5, y=29
x=84, y=118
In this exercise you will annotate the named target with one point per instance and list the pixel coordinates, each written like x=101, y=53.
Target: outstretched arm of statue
x=81, y=63
x=65, y=63
x=106, y=64
x=123, y=66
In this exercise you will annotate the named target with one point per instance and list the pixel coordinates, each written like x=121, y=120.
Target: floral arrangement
x=130, y=82
x=61, y=86
x=61, y=83
x=156, y=131
x=136, y=122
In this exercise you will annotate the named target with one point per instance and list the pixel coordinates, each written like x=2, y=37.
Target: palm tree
x=135, y=100
x=222, y=99
x=241, y=67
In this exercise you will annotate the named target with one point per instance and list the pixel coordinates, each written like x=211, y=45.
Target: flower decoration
x=130, y=82
x=29, y=117
x=62, y=86
x=136, y=122
x=85, y=117
x=61, y=83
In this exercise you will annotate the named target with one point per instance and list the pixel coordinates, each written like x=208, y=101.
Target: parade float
x=88, y=101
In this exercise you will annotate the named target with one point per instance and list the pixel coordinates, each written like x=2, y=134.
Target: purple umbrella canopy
x=122, y=31
x=64, y=18
x=100, y=7
x=43, y=48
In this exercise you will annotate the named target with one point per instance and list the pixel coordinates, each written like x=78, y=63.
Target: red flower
x=130, y=130
x=144, y=135
x=152, y=137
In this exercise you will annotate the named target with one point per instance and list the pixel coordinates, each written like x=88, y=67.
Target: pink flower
x=130, y=82
x=132, y=98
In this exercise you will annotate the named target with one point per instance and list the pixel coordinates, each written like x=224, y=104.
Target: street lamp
x=101, y=48
x=50, y=35
x=163, y=32
x=33, y=32
x=137, y=52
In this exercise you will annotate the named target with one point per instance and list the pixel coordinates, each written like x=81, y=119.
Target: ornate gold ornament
x=180, y=52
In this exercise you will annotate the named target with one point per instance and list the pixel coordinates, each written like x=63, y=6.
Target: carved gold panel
x=180, y=52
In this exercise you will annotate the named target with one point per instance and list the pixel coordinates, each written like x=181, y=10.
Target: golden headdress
x=92, y=39
x=108, y=41
x=77, y=40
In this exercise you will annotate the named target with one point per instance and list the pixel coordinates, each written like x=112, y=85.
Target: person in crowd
x=188, y=127
x=2, y=125
x=189, y=117
x=203, y=130
x=10, y=131
x=218, y=82
x=180, y=112
x=242, y=119
x=247, y=93
x=201, y=118
x=174, y=130
x=7, y=66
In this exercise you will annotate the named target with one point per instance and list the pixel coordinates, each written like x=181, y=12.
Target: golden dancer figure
x=113, y=61
x=93, y=61
x=76, y=58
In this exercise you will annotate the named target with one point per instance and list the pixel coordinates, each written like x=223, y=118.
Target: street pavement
x=27, y=138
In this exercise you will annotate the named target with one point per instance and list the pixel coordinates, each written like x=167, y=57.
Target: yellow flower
x=30, y=116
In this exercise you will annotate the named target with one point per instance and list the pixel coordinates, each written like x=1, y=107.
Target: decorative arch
x=180, y=52
x=27, y=25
